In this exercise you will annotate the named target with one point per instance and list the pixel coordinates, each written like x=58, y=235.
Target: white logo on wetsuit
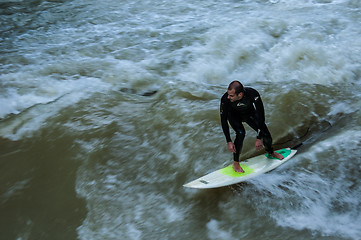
x=240, y=104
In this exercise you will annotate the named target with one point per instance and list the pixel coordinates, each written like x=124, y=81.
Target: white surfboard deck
x=253, y=167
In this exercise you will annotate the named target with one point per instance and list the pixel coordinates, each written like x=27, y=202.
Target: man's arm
x=258, y=107
x=224, y=120
x=258, y=104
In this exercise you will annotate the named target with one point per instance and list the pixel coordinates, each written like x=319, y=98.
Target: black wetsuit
x=249, y=110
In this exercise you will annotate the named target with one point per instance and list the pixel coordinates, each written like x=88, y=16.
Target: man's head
x=235, y=91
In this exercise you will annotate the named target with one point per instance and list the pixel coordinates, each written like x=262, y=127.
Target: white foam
x=120, y=208
x=323, y=197
x=270, y=48
x=215, y=231
x=31, y=119
x=12, y=102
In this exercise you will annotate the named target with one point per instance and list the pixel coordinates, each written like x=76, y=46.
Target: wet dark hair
x=237, y=86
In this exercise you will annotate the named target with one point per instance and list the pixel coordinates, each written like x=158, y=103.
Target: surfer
x=243, y=104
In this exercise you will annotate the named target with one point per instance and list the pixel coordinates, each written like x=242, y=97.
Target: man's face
x=232, y=96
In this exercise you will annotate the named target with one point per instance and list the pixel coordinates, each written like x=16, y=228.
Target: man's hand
x=231, y=147
x=259, y=144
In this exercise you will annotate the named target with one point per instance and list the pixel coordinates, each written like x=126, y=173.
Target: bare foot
x=237, y=167
x=277, y=155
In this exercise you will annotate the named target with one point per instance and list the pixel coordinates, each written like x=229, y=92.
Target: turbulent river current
x=108, y=107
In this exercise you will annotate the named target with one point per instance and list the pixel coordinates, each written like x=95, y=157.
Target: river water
x=108, y=107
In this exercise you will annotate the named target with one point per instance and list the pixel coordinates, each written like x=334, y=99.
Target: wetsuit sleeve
x=224, y=121
x=259, y=109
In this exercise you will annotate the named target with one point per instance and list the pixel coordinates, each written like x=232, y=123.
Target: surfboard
x=252, y=167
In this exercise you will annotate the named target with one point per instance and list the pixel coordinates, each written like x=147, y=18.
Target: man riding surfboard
x=243, y=104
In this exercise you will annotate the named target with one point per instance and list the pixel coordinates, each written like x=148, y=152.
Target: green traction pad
x=229, y=171
x=284, y=152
